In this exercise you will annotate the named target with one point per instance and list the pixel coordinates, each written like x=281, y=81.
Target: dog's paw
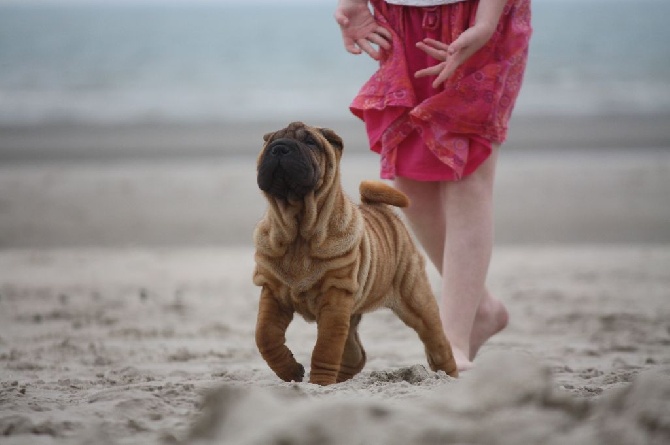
x=322, y=380
x=321, y=377
x=295, y=374
x=300, y=374
x=444, y=362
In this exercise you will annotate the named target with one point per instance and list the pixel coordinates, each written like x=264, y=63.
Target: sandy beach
x=156, y=346
x=559, y=180
x=71, y=141
x=127, y=309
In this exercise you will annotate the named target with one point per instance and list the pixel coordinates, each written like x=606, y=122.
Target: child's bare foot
x=491, y=318
x=462, y=361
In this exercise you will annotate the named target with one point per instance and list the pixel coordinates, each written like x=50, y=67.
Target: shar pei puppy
x=330, y=260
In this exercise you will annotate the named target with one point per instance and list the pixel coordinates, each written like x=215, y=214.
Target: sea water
x=230, y=61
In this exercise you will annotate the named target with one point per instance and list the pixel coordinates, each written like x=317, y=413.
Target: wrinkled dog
x=330, y=260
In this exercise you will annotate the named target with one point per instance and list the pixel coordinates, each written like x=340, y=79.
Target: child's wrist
x=486, y=29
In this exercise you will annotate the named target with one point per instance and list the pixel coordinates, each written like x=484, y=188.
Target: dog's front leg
x=353, y=358
x=332, y=331
x=273, y=320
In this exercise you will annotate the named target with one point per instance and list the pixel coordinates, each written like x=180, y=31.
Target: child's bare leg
x=467, y=255
x=491, y=318
x=426, y=216
x=462, y=253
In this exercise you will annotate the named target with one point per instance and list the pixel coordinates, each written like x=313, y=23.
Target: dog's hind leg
x=271, y=325
x=332, y=322
x=418, y=309
x=353, y=358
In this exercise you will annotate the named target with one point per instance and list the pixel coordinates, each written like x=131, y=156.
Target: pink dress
x=442, y=134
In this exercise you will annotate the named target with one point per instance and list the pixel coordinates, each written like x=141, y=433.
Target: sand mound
x=508, y=399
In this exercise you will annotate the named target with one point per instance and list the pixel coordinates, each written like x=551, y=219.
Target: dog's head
x=298, y=160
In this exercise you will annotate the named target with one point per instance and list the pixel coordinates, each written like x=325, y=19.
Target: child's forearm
x=488, y=14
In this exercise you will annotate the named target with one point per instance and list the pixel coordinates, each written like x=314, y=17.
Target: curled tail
x=379, y=192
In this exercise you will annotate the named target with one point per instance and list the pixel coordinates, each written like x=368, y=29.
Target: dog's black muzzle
x=287, y=169
x=282, y=147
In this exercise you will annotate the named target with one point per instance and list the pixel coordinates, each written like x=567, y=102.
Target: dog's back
x=373, y=192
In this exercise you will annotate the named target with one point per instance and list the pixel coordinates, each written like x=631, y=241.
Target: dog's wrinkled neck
x=312, y=219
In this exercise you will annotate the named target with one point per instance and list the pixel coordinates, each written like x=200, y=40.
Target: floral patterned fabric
x=442, y=134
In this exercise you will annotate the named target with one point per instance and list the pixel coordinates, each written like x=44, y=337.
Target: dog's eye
x=309, y=140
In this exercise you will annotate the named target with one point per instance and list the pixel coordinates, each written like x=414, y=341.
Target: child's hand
x=468, y=43
x=360, y=29
x=452, y=56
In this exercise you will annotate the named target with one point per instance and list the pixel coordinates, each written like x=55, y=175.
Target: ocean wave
x=19, y=107
x=231, y=63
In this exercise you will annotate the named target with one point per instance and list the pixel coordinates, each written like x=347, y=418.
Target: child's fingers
x=435, y=44
x=365, y=45
x=353, y=49
x=379, y=39
x=438, y=54
x=384, y=33
x=453, y=54
x=341, y=19
x=450, y=66
x=446, y=72
x=430, y=71
x=350, y=45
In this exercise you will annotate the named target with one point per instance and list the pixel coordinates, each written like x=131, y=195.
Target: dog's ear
x=267, y=136
x=332, y=137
